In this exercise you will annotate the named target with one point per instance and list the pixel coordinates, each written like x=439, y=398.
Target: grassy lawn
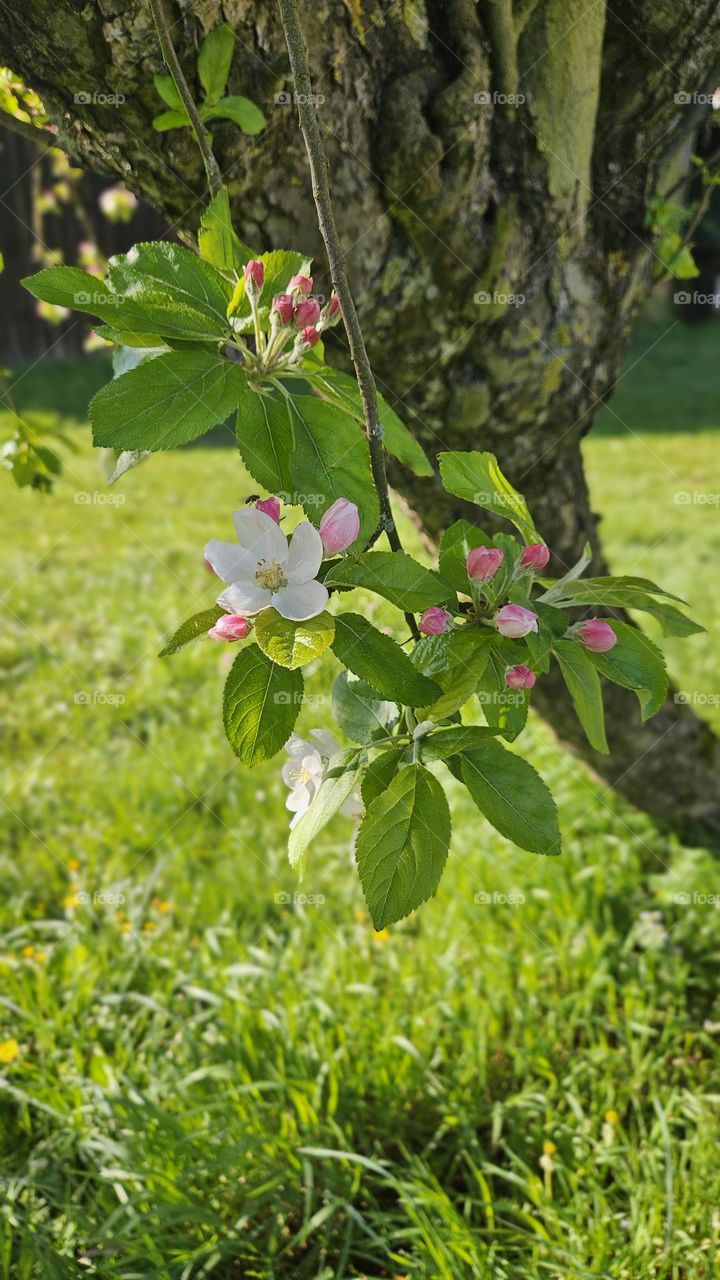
x=216, y=1077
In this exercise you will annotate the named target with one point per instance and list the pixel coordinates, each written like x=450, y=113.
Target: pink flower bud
x=271, y=507
x=310, y=336
x=333, y=306
x=254, y=274
x=232, y=626
x=339, y=526
x=283, y=307
x=535, y=557
x=307, y=312
x=434, y=621
x=301, y=284
x=520, y=677
x=483, y=563
x=597, y=636
x=514, y=621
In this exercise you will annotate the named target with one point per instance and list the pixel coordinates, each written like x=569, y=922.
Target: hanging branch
x=326, y=220
x=172, y=62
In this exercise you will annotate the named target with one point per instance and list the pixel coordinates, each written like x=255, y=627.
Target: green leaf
x=458, y=540
x=513, y=797
x=466, y=653
x=391, y=574
x=191, y=629
x=444, y=743
x=380, y=773
x=265, y=439
x=176, y=292
x=331, y=460
x=214, y=61
x=380, y=662
x=555, y=589
x=616, y=593
x=218, y=243
x=596, y=586
x=166, y=87
x=635, y=663
x=402, y=845
x=477, y=478
x=343, y=773
x=397, y=440
x=553, y=624
x=359, y=712
x=166, y=401
x=260, y=705
x=583, y=683
x=240, y=110
x=70, y=287
x=293, y=644
x=168, y=120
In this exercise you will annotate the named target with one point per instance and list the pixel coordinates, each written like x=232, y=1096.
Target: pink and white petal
x=245, y=597
x=259, y=534
x=299, y=603
x=229, y=560
x=305, y=555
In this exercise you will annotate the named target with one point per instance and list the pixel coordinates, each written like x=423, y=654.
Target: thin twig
x=36, y=134
x=172, y=62
x=326, y=220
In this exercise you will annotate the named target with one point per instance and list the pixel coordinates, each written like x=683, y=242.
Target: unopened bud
x=307, y=313
x=271, y=507
x=254, y=275
x=520, y=677
x=434, y=621
x=340, y=526
x=535, y=557
x=483, y=563
x=310, y=336
x=596, y=636
x=283, y=307
x=301, y=285
x=232, y=626
x=514, y=621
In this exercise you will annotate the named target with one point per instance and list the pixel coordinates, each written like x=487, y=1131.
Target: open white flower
x=263, y=569
x=305, y=770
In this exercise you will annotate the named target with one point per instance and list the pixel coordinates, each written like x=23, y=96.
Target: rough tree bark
x=446, y=191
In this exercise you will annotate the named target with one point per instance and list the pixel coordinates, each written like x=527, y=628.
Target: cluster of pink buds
x=297, y=319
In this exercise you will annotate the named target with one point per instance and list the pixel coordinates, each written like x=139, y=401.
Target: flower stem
x=172, y=62
x=317, y=159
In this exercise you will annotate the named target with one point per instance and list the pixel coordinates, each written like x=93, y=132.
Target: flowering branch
x=172, y=62
x=317, y=160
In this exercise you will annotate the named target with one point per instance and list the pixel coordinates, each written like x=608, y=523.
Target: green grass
x=214, y=1082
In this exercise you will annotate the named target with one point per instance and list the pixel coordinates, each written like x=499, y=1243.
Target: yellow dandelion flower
x=381, y=935
x=549, y=1148
x=164, y=907
x=28, y=951
x=9, y=1051
x=126, y=927
x=612, y=1117
x=149, y=926
x=71, y=901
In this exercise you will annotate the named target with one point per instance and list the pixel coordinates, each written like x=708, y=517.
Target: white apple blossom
x=305, y=770
x=262, y=569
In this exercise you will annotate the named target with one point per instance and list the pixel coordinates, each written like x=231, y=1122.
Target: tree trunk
x=492, y=164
